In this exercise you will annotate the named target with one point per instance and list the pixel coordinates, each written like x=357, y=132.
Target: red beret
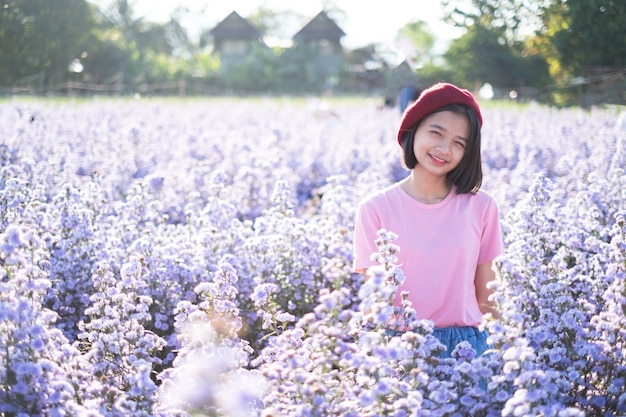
x=434, y=98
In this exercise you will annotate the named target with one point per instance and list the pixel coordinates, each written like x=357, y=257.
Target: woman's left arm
x=484, y=275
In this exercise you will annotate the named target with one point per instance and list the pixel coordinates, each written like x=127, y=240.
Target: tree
x=568, y=34
x=133, y=47
x=481, y=56
x=106, y=58
x=40, y=37
x=120, y=14
x=494, y=49
x=501, y=17
x=586, y=33
x=417, y=41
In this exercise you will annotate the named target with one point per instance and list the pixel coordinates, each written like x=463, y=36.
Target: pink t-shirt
x=440, y=247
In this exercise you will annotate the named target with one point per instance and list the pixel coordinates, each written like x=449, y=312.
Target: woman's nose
x=444, y=145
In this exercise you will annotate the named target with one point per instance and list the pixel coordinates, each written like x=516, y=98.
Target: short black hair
x=468, y=175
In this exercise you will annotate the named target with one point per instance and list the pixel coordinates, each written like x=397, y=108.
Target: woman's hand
x=484, y=275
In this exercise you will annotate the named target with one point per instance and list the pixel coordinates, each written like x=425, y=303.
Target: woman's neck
x=431, y=190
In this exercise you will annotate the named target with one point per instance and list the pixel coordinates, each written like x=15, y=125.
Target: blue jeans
x=452, y=336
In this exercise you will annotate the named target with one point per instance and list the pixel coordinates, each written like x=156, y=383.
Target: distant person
x=407, y=96
x=448, y=229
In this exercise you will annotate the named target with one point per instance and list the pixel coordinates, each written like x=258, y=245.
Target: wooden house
x=315, y=49
x=322, y=33
x=234, y=38
x=321, y=38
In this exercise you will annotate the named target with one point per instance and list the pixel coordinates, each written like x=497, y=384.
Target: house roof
x=320, y=27
x=235, y=27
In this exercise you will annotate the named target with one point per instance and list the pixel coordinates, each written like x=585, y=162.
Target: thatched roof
x=235, y=27
x=320, y=27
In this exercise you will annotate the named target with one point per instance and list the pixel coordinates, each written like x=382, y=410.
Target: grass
x=340, y=100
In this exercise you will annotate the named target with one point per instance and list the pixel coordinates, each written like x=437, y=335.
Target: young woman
x=448, y=229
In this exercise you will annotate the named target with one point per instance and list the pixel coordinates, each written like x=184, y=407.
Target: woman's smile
x=437, y=161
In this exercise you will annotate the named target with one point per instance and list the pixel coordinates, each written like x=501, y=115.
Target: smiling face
x=440, y=142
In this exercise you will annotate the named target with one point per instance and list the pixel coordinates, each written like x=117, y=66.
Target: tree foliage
x=502, y=17
x=569, y=34
x=481, y=56
x=137, y=49
x=586, y=33
x=492, y=49
x=421, y=41
x=42, y=37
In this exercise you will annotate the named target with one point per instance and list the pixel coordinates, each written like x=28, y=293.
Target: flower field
x=193, y=258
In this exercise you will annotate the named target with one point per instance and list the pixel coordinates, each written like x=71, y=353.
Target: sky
x=367, y=22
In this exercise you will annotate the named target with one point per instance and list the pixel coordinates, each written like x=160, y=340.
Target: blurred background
x=562, y=52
